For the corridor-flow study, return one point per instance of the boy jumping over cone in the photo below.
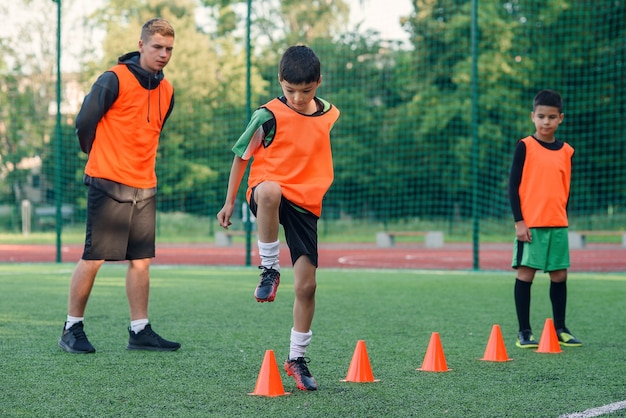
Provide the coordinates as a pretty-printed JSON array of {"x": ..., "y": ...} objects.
[{"x": 289, "y": 138}]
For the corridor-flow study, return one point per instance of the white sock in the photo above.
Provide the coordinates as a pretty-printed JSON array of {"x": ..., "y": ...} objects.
[
  {"x": 269, "y": 251},
  {"x": 298, "y": 343},
  {"x": 71, "y": 320},
  {"x": 138, "y": 325}
]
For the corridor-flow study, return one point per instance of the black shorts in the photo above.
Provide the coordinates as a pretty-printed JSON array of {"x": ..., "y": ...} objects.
[
  {"x": 119, "y": 230},
  {"x": 300, "y": 228}
]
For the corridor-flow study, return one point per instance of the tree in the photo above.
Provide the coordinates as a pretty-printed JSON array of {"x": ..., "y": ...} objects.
[{"x": 26, "y": 90}]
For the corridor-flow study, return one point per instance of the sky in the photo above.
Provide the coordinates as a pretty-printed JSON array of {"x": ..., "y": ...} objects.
[{"x": 381, "y": 15}]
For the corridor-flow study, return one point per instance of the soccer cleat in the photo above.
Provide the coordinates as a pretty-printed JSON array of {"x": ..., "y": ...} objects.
[
  {"x": 301, "y": 374},
  {"x": 566, "y": 338},
  {"x": 526, "y": 339},
  {"x": 146, "y": 339},
  {"x": 75, "y": 341},
  {"x": 266, "y": 290}
]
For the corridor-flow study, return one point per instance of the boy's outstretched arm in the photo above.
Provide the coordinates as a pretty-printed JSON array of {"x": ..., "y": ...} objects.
[{"x": 237, "y": 171}]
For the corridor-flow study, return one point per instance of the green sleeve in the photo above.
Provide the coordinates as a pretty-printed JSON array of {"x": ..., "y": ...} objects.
[
  {"x": 254, "y": 134},
  {"x": 325, "y": 103}
]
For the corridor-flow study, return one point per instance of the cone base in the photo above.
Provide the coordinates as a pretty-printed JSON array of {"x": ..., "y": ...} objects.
[
  {"x": 549, "y": 352},
  {"x": 496, "y": 361},
  {"x": 269, "y": 396},
  {"x": 434, "y": 371},
  {"x": 360, "y": 381}
]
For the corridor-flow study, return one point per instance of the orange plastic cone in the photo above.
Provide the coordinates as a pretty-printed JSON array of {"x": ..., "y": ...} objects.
[
  {"x": 496, "y": 350},
  {"x": 549, "y": 342},
  {"x": 434, "y": 360},
  {"x": 360, "y": 369},
  {"x": 269, "y": 382}
]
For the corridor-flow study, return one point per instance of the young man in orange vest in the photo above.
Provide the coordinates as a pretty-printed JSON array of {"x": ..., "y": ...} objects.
[
  {"x": 118, "y": 126},
  {"x": 539, "y": 187},
  {"x": 289, "y": 138}
]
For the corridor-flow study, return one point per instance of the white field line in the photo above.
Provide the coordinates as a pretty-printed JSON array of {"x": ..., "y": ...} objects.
[{"x": 595, "y": 412}]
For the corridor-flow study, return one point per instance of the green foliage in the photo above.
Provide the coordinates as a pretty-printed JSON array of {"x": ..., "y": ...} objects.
[
  {"x": 20, "y": 138},
  {"x": 224, "y": 337},
  {"x": 72, "y": 189}
]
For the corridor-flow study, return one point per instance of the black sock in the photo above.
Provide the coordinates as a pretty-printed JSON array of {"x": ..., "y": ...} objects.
[
  {"x": 522, "y": 303},
  {"x": 558, "y": 296}
]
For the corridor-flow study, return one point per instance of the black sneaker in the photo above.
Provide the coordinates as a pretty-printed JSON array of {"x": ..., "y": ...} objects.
[
  {"x": 526, "y": 339},
  {"x": 75, "y": 341},
  {"x": 146, "y": 339},
  {"x": 266, "y": 290},
  {"x": 567, "y": 339},
  {"x": 301, "y": 374}
]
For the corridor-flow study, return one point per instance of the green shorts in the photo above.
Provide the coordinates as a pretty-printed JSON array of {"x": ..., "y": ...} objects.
[{"x": 548, "y": 251}]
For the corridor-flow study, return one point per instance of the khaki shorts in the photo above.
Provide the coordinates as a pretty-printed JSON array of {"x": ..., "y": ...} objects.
[
  {"x": 548, "y": 251},
  {"x": 117, "y": 230}
]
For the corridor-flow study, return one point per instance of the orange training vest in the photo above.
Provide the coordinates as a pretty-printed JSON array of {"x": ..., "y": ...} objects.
[
  {"x": 124, "y": 149},
  {"x": 299, "y": 158},
  {"x": 545, "y": 185}
]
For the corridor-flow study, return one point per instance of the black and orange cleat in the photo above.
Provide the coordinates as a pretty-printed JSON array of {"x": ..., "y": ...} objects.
[
  {"x": 298, "y": 369},
  {"x": 266, "y": 290}
]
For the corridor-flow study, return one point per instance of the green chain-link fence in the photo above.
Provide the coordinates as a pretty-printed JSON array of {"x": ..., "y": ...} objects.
[{"x": 427, "y": 131}]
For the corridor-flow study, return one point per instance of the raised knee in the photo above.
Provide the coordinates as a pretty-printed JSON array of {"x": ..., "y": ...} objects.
[{"x": 268, "y": 193}]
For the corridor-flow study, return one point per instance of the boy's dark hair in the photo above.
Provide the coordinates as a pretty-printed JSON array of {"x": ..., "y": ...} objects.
[
  {"x": 299, "y": 65},
  {"x": 548, "y": 98}
]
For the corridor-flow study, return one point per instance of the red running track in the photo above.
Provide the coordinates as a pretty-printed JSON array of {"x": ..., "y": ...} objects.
[{"x": 593, "y": 258}]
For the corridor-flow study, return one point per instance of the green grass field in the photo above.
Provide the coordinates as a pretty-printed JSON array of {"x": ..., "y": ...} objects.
[{"x": 225, "y": 334}]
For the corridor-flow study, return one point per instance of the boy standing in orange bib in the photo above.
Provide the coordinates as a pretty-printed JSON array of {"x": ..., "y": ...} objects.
[{"x": 539, "y": 187}]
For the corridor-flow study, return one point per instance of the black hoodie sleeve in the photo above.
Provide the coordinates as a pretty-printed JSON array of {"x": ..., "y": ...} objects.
[
  {"x": 515, "y": 178},
  {"x": 101, "y": 97},
  {"x": 169, "y": 111}
]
